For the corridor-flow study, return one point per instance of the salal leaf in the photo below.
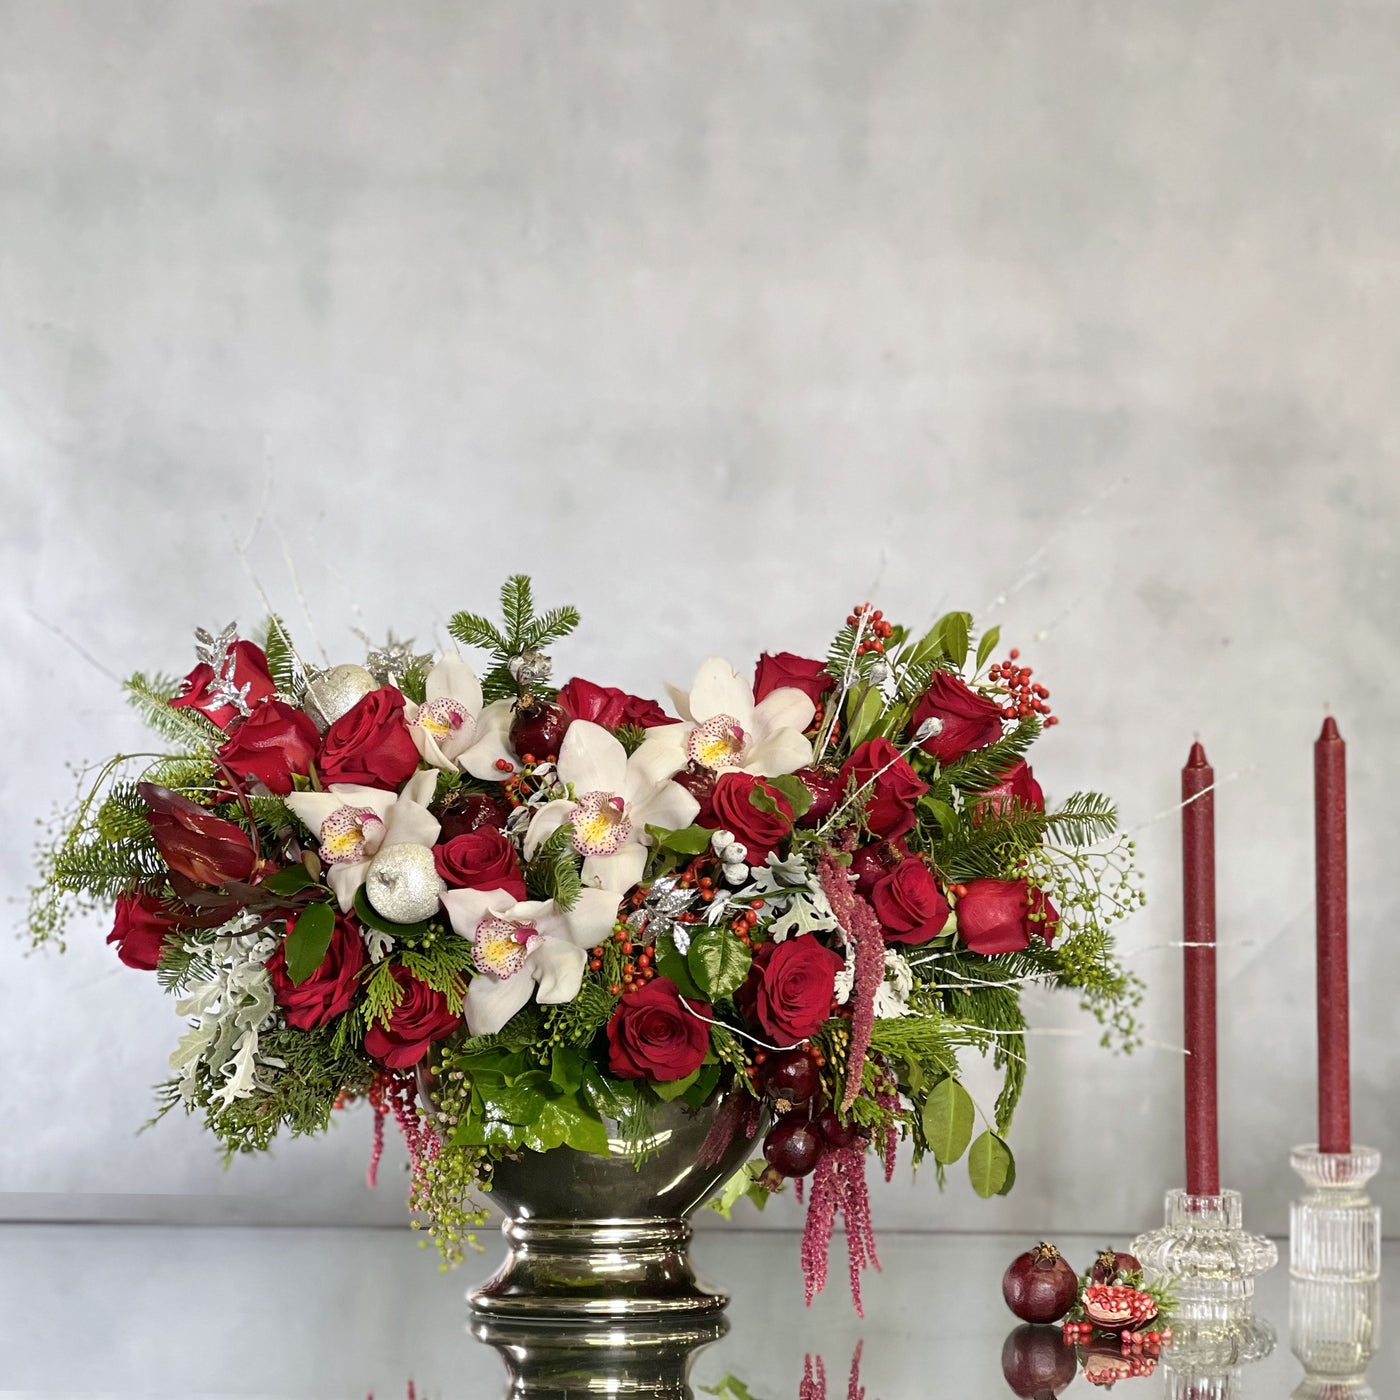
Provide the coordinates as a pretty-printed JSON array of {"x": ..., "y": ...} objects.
[
  {"x": 674, "y": 1088},
  {"x": 990, "y": 1165},
  {"x": 308, "y": 941},
  {"x": 718, "y": 962},
  {"x": 949, "y": 1116},
  {"x": 955, "y": 629}
]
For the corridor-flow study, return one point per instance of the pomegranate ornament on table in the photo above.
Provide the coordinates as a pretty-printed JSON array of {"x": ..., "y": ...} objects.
[
  {"x": 544, "y": 929},
  {"x": 1039, "y": 1286}
]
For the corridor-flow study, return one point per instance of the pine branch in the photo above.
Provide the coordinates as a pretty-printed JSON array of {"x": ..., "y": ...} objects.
[
  {"x": 556, "y": 623},
  {"x": 473, "y": 630},
  {"x": 982, "y": 768},
  {"x": 553, "y": 871},
  {"x": 1083, "y": 819},
  {"x": 150, "y": 697},
  {"x": 518, "y": 610}
]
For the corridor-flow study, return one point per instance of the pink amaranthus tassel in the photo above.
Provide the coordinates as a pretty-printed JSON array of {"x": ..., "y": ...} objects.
[
  {"x": 381, "y": 1112},
  {"x": 838, "y": 1184},
  {"x": 862, "y": 928},
  {"x": 854, "y": 1389},
  {"x": 813, "y": 1385}
]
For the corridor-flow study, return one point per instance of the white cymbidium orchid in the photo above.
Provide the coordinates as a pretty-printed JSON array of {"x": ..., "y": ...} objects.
[
  {"x": 615, "y": 799},
  {"x": 354, "y": 823},
  {"x": 723, "y": 730},
  {"x": 452, "y": 728},
  {"x": 522, "y": 947}
]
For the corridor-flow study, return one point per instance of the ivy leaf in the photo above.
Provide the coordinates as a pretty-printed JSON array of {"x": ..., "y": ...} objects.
[
  {"x": 988, "y": 643},
  {"x": 673, "y": 1088},
  {"x": 949, "y": 1116},
  {"x": 718, "y": 962},
  {"x": 612, "y": 1098},
  {"x": 798, "y": 794},
  {"x": 989, "y": 1164},
  {"x": 566, "y": 1069},
  {"x": 308, "y": 941},
  {"x": 565, "y": 1121},
  {"x": 288, "y": 881}
]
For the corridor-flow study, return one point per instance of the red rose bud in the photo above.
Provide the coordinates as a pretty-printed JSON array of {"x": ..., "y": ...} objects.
[
  {"x": 653, "y": 1036},
  {"x": 909, "y": 904},
  {"x": 480, "y": 860},
  {"x": 330, "y": 990},
  {"x": 141, "y": 926},
  {"x": 609, "y": 706},
  {"x": 274, "y": 742},
  {"x": 369, "y": 744},
  {"x": 734, "y": 811},
  {"x": 469, "y": 811},
  {"x": 194, "y": 842},
  {"x": 889, "y": 787},
  {"x": 825, "y": 786},
  {"x": 1002, "y": 916},
  {"x": 787, "y": 670},
  {"x": 1017, "y": 785},
  {"x": 789, "y": 988},
  {"x": 249, "y": 668},
  {"x": 422, "y": 1017},
  {"x": 969, "y": 720}
]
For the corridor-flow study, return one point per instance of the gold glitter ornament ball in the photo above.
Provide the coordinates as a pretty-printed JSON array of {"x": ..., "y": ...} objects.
[
  {"x": 336, "y": 694},
  {"x": 403, "y": 884}
]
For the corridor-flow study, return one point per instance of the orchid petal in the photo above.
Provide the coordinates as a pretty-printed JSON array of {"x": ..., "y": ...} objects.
[
  {"x": 618, "y": 872},
  {"x": 492, "y": 1001},
  {"x": 720, "y": 690},
  {"x": 491, "y": 744},
  {"x": 467, "y": 908},
  {"x": 652, "y": 764},
  {"x": 667, "y": 805},
  {"x": 453, "y": 679},
  {"x": 378, "y": 800},
  {"x": 545, "y": 823},
  {"x": 411, "y": 824},
  {"x": 558, "y": 966},
  {"x": 783, "y": 751},
  {"x": 784, "y": 708},
  {"x": 344, "y": 880},
  {"x": 663, "y": 748},
  {"x": 429, "y": 750},
  {"x": 681, "y": 700},
  {"x": 591, "y": 759},
  {"x": 420, "y": 788},
  {"x": 312, "y": 808},
  {"x": 591, "y": 919}
]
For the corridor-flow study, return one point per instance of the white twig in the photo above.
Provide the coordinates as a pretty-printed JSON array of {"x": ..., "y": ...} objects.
[
  {"x": 301, "y": 596},
  {"x": 76, "y": 645},
  {"x": 1195, "y": 796},
  {"x": 734, "y": 1031}
]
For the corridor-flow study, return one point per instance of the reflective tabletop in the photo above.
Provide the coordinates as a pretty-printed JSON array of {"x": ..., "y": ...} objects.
[{"x": 127, "y": 1310}]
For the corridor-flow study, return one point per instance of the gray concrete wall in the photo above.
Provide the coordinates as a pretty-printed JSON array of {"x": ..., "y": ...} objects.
[{"x": 715, "y": 317}]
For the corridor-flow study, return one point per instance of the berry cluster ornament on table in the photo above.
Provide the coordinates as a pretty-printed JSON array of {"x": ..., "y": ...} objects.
[{"x": 801, "y": 897}]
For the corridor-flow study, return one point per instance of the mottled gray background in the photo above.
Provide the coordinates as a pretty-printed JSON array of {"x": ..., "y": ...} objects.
[{"x": 718, "y": 318}]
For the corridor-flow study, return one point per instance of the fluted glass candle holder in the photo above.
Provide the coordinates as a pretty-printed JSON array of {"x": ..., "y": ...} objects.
[
  {"x": 1334, "y": 1330},
  {"x": 1204, "y": 1250},
  {"x": 1334, "y": 1230},
  {"x": 1206, "y": 1357}
]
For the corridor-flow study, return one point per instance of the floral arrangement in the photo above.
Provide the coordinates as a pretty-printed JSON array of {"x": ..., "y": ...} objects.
[{"x": 808, "y": 893}]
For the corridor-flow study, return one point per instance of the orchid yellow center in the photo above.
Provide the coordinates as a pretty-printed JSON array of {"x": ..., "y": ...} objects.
[
  {"x": 601, "y": 824},
  {"x": 350, "y": 834},
  {"x": 500, "y": 947},
  {"x": 718, "y": 743}
]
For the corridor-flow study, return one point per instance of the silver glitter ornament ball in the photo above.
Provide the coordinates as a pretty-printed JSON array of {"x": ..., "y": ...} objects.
[
  {"x": 337, "y": 693},
  {"x": 403, "y": 884}
]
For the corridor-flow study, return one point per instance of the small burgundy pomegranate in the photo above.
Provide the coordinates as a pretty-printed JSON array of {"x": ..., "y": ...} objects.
[
  {"x": 1113, "y": 1265},
  {"x": 1039, "y": 1286},
  {"x": 793, "y": 1147},
  {"x": 790, "y": 1079},
  {"x": 538, "y": 728},
  {"x": 1036, "y": 1362}
]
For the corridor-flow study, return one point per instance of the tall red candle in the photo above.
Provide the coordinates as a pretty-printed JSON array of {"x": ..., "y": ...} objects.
[
  {"x": 1333, "y": 1035},
  {"x": 1198, "y": 918}
]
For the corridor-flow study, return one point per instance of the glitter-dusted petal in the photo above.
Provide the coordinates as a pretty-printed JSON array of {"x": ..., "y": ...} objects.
[
  {"x": 591, "y": 760},
  {"x": 559, "y": 967},
  {"x": 491, "y": 1001},
  {"x": 618, "y": 872},
  {"x": 784, "y": 708},
  {"x": 545, "y": 823},
  {"x": 720, "y": 690}
]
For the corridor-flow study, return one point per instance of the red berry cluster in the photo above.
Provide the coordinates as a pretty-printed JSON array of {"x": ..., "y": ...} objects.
[
  {"x": 1022, "y": 698},
  {"x": 518, "y": 786},
  {"x": 637, "y": 959},
  {"x": 880, "y": 630}
]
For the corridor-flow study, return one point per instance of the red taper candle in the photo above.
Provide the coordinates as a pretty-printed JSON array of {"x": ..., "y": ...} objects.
[
  {"x": 1333, "y": 1032},
  {"x": 1198, "y": 920}
]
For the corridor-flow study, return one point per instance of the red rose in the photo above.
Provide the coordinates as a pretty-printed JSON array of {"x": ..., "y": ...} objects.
[
  {"x": 422, "y": 1017},
  {"x": 970, "y": 720},
  {"x": 652, "y": 1035},
  {"x": 789, "y": 988},
  {"x": 909, "y": 904},
  {"x": 787, "y": 669},
  {"x": 249, "y": 668},
  {"x": 734, "y": 811},
  {"x": 274, "y": 742},
  {"x": 370, "y": 743},
  {"x": 888, "y": 785},
  {"x": 194, "y": 842},
  {"x": 330, "y": 990},
  {"x": 609, "y": 706},
  {"x": 1000, "y": 916},
  {"x": 1017, "y": 785},
  {"x": 480, "y": 860},
  {"x": 141, "y": 926}
]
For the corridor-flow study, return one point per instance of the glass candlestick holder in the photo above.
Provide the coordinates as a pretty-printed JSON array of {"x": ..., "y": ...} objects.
[
  {"x": 1334, "y": 1230},
  {"x": 1334, "y": 1330},
  {"x": 1205, "y": 1251}
]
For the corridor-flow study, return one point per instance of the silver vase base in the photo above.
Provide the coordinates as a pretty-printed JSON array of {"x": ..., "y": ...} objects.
[{"x": 585, "y": 1270}]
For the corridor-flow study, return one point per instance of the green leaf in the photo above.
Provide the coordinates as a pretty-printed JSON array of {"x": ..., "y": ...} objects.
[
  {"x": 669, "y": 1089},
  {"x": 955, "y": 628},
  {"x": 989, "y": 1163},
  {"x": 366, "y": 913},
  {"x": 704, "y": 1084},
  {"x": 687, "y": 841},
  {"x": 942, "y": 812},
  {"x": 308, "y": 941},
  {"x": 670, "y": 963},
  {"x": 949, "y": 1116},
  {"x": 1010, "y": 1173},
  {"x": 522, "y": 1104},
  {"x": 762, "y": 799},
  {"x": 718, "y": 962},
  {"x": 988, "y": 643},
  {"x": 798, "y": 794},
  {"x": 864, "y": 719},
  {"x": 930, "y": 645},
  {"x": 565, "y": 1121},
  {"x": 566, "y": 1069},
  {"x": 288, "y": 881},
  {"x": 613, "y": 1098}
]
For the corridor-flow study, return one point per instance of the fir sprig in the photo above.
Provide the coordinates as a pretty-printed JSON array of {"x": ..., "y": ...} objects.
[
  {"x": 522, "y": 632},
  {"x": 553, "y": 871}
]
